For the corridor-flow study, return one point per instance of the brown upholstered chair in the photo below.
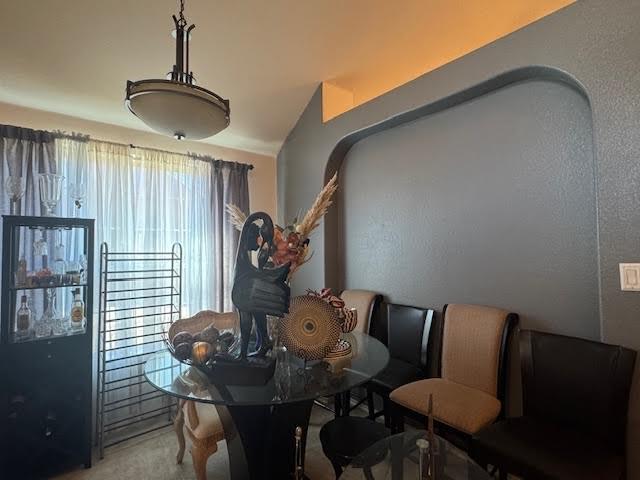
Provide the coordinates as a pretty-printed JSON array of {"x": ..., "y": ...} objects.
[
  {"x": 470, "y": 393},
  {"x": 200, "y": 420},
  {"x": 365, "y": 302},
  {"x": 204, "y": 429},
  {"x": 367, "y": 305}
]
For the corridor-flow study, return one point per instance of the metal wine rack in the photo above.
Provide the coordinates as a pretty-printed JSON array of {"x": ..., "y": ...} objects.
[{"x": 140, "y": 296}]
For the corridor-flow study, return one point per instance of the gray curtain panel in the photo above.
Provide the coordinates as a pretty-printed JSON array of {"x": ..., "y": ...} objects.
[
  {"x": 230, "y": 184},
  {"x": 26, "y": 153}
]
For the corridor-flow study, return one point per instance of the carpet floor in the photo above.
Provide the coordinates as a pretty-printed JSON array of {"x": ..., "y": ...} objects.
[{"x": 154, "y": 457}]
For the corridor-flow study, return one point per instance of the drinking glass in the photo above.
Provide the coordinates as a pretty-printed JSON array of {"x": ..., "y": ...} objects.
[
  {"x": 77, "y": 192},
  {"x": 50, "y": 191},
  {"x": 15, "y": 187}
]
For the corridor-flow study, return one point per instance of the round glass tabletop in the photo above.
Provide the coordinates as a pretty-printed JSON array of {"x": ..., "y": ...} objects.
[
  {"x": 398, "y": 458},
  {"x": 293, "y": 381}
]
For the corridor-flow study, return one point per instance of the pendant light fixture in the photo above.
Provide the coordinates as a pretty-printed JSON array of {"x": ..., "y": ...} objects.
[{"x": 176, "y": 106}]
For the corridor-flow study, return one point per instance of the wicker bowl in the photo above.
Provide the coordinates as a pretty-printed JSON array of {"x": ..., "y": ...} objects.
[
  {"x": 222, "y": 371},
  {"x": 195, "y": 324}
]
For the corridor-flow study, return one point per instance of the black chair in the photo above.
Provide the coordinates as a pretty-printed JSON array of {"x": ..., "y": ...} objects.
[
  {"x": 343, "y": 439},
  {"x": 575, "y": 396},
  {"x": 408, "y": 336}
]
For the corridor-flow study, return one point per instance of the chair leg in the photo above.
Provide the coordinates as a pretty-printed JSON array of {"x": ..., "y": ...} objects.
[
  {"x": 199, "y": 455},
  {"x": 178, "y": 426},
  {"x": 386, "y": 410},
  {"x": 346, "y": 403},
  {"x": 503, "y": 474},
  {"x": 337, "y": 468},
  {"x": 370, "y": 405},
  {"x": 337, "y": 407},
  {"x": 397, "y": 418}
]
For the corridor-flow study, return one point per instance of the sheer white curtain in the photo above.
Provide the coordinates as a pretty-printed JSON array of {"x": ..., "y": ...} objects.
[{"x": 144, "y": 201}]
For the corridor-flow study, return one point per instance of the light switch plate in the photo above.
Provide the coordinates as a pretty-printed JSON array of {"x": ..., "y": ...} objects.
[{"x": 630, "y": 277}]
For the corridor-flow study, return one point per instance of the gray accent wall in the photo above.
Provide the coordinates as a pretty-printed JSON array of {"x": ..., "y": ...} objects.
[
  {"x": 489, "y": 202},
  {"x": 596, "y": 43}
]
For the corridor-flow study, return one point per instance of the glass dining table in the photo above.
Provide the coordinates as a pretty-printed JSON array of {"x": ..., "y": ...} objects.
[
  {"x": 398, "y": 458},
  {"x": 260, "y": 420}
]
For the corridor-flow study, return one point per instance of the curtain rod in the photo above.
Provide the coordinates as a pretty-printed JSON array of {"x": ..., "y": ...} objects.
[{"x": 195, "y": 156}]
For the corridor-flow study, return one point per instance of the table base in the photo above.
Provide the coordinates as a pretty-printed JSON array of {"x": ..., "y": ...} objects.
[{"x": 261, "y": 439}]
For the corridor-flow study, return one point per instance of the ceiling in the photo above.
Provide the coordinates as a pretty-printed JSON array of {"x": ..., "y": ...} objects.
[{"x": 74, "y": 57}]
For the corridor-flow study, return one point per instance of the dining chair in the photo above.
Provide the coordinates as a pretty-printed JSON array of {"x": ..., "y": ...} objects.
[
  {"x": 471, "y": 389},
  {"x": 575, "y": 402},
  {"x": 367, "y": 304},
  {"x": 204, "y": 429},
  {"x": 408, "y": 337}
]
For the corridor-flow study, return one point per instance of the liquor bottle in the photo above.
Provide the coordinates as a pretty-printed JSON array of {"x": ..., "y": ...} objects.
[
  {"x": 23, "y": 320},
  {"x": 77, "y": 311}
]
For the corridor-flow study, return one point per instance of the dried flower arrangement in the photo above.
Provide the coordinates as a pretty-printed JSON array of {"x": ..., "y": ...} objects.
[{"x": 291, "y": 243}]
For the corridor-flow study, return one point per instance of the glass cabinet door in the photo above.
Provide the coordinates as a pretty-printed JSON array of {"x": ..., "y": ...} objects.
[{"x": 48, "y": 269}]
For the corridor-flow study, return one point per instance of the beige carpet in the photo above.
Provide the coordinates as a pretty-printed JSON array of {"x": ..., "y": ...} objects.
[{"x": 154, "y": 458}]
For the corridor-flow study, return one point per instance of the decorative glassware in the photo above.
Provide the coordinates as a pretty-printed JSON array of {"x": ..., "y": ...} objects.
[
  {"x": 74, "y": 272},
  {"x": 21, "y": 272},
  {"x": 83, "y": 268},
  {"x": 50, "y": 191},
  {"x": 59, "y": 265},
  {"x": 40, "y": 252},
  {"x": 77, "y": 192},
  {"x": 44, "y": 326},
  {"x": 23, "y": 320},
  {"x": 15, "y": 187}
]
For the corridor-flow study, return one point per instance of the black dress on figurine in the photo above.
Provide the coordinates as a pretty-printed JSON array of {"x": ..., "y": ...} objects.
[{"x": 258, "y": 291}]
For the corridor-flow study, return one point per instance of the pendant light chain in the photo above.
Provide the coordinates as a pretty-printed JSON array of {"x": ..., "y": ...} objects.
[{"x": 183, "y": 21}]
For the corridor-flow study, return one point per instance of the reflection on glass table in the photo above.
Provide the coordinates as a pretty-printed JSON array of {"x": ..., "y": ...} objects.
[
  {"x": 261, "y": 422},
  {"x": 292, "y": 382},
  {"x": 398, "y": 458}
]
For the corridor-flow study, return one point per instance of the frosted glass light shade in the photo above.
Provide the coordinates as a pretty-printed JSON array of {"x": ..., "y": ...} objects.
[{"x": 178, "y": 109}]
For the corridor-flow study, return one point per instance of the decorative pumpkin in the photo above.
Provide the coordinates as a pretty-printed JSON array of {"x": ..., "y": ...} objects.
[
  {"x": 209, "y": 335},
  {"x": 182, "y": 337},
  {"x": 201, "y": 352},
  {"x": 183, "y": 351}
]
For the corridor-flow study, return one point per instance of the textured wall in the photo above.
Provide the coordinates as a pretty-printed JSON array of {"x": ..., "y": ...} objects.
[
  {"x": 595, "y": 41},
  {"x": 489, "y": 202}
]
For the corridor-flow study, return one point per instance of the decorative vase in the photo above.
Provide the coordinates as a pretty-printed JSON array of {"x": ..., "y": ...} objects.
[{"x": 50, "y": 190}]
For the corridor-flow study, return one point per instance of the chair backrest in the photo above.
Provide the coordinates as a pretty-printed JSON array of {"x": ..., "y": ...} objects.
[
  {"x": 365, "y": 302},
  {"x": 581, "y": 384},
  {"x": 475, "y": 346},
  {"x": 408, "y": 333}
]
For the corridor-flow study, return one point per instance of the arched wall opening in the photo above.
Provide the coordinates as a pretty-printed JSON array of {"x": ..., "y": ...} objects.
[{"x": 485, "y": 197}]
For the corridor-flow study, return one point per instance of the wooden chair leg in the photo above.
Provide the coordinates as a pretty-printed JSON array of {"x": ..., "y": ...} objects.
[
  {"x": 199, "y": 455},
  {"x": 178, "y": 426}
]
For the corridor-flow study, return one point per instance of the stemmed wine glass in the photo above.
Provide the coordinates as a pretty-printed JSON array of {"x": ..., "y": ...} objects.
[
  {"x": 15, "y": 189},
  {"x": 78, "y": 192},
  {"x": 50, "y": 191}
]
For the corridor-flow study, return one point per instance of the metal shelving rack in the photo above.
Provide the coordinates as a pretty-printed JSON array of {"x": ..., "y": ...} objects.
[{"x": 140, "y": 296}]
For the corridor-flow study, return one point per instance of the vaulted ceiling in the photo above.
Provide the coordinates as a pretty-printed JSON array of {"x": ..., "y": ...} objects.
[{"x": 75, "y": 56}]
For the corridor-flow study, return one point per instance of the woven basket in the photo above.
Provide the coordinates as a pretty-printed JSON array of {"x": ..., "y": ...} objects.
[
  {"x": 201, "y": 320},
  {"x": 197, "y": 323}
]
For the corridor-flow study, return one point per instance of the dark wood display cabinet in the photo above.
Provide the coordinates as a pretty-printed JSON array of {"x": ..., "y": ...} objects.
[{"x": 46, "y": 345}]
